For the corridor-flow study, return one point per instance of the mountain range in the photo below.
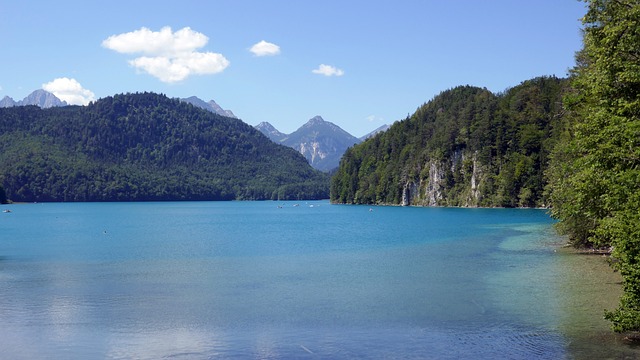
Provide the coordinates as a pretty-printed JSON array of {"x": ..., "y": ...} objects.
[
  {"x": 45, "y": 99},
  {"x": 210, "y": 105},
  {"x": 41, "y": 98},
  {"x": 142, "y": 147},
  {"x": 321, "y": 142}
]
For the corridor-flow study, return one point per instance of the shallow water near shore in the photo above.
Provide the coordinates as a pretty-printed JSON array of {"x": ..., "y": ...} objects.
[
  {"x": 296, "y": 280},
  {"x": 589, "y": 286}
]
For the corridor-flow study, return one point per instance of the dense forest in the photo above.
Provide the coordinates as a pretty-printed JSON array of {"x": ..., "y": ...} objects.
[
  {"x": 465, "y": 147},
  {"x": 143, "y": 147}
]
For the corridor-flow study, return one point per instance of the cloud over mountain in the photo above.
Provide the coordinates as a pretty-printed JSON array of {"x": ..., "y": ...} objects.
[
  {"x": 167, "y": 55},
  {"x": 69, "y": 90}
]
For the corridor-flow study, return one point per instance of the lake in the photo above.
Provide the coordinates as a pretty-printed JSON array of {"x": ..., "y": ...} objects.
[{"x": 273, "y": 280}]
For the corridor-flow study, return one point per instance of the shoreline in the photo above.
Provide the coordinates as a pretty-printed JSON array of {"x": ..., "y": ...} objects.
[{"x": 588, "y": 287}]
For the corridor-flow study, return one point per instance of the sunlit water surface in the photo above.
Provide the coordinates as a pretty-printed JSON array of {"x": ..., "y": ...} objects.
[{"x": 293, "y": 280}]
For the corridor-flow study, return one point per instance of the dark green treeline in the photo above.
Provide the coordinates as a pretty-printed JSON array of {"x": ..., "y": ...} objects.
[
  {"x": 465, "y": 147},
  {"x": 145, "y": 146}
]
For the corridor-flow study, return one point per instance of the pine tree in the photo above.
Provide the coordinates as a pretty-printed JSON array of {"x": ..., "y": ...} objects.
[{"x": 3, "y": 196}]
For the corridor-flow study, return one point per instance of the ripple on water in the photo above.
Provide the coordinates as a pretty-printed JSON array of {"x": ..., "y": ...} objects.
[{"x": 508, "y": 342}]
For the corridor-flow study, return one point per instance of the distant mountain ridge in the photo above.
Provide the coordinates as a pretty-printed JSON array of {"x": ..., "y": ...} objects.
[
  {"x": 211, "y": 105},
  {"x": 41, "y": 98},
  {"x": 270, "y": 131},
  {"x": 45, "y": 99},
  {"x": 321, "y": 142},
  {"x": 375, "y": 132}
]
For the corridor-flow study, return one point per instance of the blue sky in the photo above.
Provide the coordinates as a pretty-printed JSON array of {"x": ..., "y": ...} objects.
[{"x": 359, "y": 64}]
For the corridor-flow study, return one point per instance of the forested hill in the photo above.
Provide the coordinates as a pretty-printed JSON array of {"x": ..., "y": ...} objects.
[
  {"x": 466, "y": 147},
  {"x": 145, "y": 146}
]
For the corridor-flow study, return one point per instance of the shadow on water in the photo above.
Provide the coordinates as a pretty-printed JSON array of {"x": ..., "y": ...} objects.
[{"x": 589, "y": 287}]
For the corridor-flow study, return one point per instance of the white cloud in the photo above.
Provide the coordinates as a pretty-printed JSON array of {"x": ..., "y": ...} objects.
[
  {"x": 163, "y": 42},
  {"x": 69, "y": 90},
  {"x": 372, "y": 118},
  {"x": 169, "y": 56},
  {"x": 171, "y": 70},
  {"x": 328, "y": 70},
  {"x": 264, "y": 48}
]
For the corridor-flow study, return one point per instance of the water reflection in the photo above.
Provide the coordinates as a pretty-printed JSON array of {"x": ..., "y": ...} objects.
[
  {"x": 179, "y": 343},
  {"x": 205, "y": 280}
]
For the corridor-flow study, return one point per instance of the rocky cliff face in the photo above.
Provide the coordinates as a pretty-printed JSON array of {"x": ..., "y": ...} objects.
[
  {"x": 432, "y": 190},
  {"x": 313, "y": 151}
]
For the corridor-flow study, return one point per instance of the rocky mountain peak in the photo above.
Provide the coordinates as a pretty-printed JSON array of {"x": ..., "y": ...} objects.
[
  {"x": 211, "y": 105},
  {"x": 41, "y": 98},
  {"x": 7, "y": 102},
  {"x": 316, "y": 120},
  {"x": 322, "y": 142},
  {"x": 270, "y": 131},
  {"x": 265, "y": 126}
]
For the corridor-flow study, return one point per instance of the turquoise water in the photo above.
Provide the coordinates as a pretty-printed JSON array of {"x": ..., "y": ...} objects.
[{"x": 277, "y": 280}]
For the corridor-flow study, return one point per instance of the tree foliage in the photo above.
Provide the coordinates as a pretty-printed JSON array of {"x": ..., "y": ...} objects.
[
  {"x": 595, "y": 174},
  {"x": 464, "y": 137},
  {"x": 3, "y": 196},
  {"x": 145, "y": 146}
]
